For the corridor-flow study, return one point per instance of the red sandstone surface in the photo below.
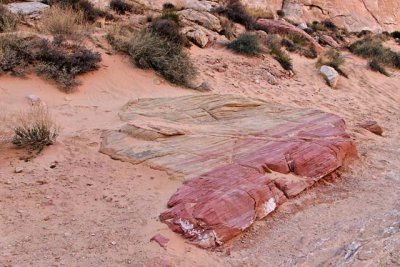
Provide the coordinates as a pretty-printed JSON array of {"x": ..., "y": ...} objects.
[{"x": 249, "y": 156}]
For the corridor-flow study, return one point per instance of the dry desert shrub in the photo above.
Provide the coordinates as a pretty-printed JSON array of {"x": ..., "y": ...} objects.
[
  {"x": 62, "y": 20},
  {"x": 151, "y": 51},
  {"x": 58, "y": 60},
  {"x": 121, "y": 6},
  {"x": 247, "y": 44},
  {"x": 273, "y": 42},
  {"x": 34, "y": 129},
  {"x": 334, "y": 59},
  {"x": 8, "y": 21},
  {"x": 378, "y": 55},
  {"x": 237, "y": 12}
]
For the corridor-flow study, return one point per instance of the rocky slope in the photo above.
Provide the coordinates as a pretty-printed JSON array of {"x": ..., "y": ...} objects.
[{"x": 355, "y": 15}]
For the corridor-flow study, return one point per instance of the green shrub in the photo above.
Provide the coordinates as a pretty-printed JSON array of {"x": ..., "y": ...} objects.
[
  {"x": 34, "y": 129},
  {"x": 246, "y": 44},
  {"x": 373, "y": 49},
  {"x": 8, "y": 21},
  {"x": 375, "y": 65},
  {"x": 150, "y": 51},
  {"x": 334, "y": 59}
]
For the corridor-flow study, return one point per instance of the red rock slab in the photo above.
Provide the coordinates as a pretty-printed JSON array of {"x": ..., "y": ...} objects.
[
  {"x": 372, "y": 126},
  {"x": 160, "y": 239},
  {"x": 240, "y": 158}
]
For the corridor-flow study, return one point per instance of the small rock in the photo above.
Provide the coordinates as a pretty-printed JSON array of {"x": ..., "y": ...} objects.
[
  {"x": 53, "y": 165},
  {"x": 302, "y": 26},
  {"x": 330, "y": 75},
  {"x": 198, "y": 37},
  {"x": 204, "y": 87},
  {"x": 373, "y": 127},
  {"x": 33, "y": 99},
  {"x": 160, "y": 239},
  {"x": 19, "y": 169},
  {"x": 113, "y": 243}
]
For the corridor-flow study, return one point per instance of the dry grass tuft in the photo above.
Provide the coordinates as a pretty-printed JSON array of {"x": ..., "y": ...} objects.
[
  {"x": 8, "y": 21},
  {"x": 62, "y": 20},
  {"x": 34, "y": 129}
]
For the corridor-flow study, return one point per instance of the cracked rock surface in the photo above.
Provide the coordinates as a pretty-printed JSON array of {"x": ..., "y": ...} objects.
[{"x": 240, "y": 157}]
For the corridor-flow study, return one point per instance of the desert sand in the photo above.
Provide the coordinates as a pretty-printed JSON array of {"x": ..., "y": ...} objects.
[{"x": 90, "y": 210}]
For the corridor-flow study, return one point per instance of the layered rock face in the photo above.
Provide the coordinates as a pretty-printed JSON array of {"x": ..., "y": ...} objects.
[
  {"x": 355, "y": 15},
  {"x": 240, "y": 157}
]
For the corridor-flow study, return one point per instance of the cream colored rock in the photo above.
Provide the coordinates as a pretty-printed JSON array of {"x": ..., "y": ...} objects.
[
  {"x": 204, "y": 19},
  {"x": 330, "y": 75},
  {"x": 198, "y": 37}
]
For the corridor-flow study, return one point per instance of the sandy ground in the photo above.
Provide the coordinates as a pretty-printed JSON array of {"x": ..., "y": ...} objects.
[{"x": 93, "y": 211}]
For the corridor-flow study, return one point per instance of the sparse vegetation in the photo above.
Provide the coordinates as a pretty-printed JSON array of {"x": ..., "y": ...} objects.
[
  {"x": 169, "y": 13},
  {"x": 334, "y": 59},
  {"x": 274, "y": 44},
  {"x": 170, "y": 30},
  {"x": 246, "y": 44},
  {"x": 236, "y": 12},
  {"x": 15, "y": 55},
  {"x": 89, "y": 12},
  {"x": 57, "y": 60},
  {"x": 150, "y": 51},
  {"x": 121, "y": 6},
  {"x": 259, "y": 13},
  {"x": 373, "y": 49},
  {"x": 375, "y": 65},
  {"x": 62, "y": 62},
  {"x": 34, "y": 129},
  {"x": 61, "y": 20},
  {"x": 298, "y": 44},
  {"x": 8, "y": 21}
]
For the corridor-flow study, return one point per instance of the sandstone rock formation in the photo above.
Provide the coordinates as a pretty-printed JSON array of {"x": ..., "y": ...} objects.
[
  {"x": 29, "y": 9},
  {"x": 240, "y": 157},
  {"x": 355, "y": 15}
]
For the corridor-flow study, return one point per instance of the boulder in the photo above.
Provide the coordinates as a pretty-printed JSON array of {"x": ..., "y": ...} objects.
[
  {"x": 240, "y": 158},
  {"x": 204, "y": 19},
  {"x": 283, "y": 27},
  {"x": 372, "y": 126},
  {"x": 198, "y": 37},
  {"x": 28, "y": 9},
  {"x": 330, "y": 75}
]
